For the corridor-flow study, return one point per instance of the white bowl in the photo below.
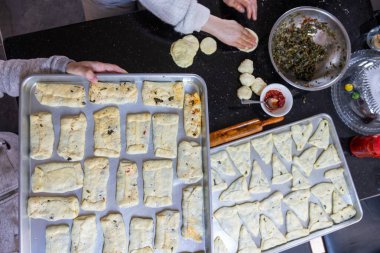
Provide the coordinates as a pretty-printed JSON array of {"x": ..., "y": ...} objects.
[{"x": 288, "y": 100}]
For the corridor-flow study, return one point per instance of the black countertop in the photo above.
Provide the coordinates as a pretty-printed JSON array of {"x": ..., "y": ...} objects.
[{"x": 139, "y": 42}]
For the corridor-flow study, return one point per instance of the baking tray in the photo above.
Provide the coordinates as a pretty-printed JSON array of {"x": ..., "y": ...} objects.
[
  {"x": 318, "y": 176},
  {"x": 32, "y": 231}
]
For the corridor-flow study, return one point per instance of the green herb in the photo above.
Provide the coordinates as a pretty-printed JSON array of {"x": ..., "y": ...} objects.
[{"x": 295, "y": 51}]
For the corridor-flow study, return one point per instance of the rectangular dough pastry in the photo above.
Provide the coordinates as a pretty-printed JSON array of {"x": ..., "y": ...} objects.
[
  {"x": 192, "y": 212},
  {"x": 138, "y": 132},
  {"x": 127, "y": 194},
  {"x": 115, "y": 238},
  {"x": 158, "y": 183},
  {"x": 96, "y": 174},
  {"x": 169, "y": 94},
  {"x": 57, "y": 239},
  {"x": 167, "y": 231},
  {"x": 141, "y": 235},
  {"x": 189, "y": 164},
  {"x": 57, "y": 177},
  {"x": 84, "y": 234},
  {"x": 143, "y": 250},
  {"x": 113, "y": 93},
  {"x": 107, "y": 132},
  {"x": 60, "y": 94},
  {"x": 165, "y": 130},
  {"x": 192, "y": 115},
  {"x": 41, "y": 135},
  {"x": 53, "y": 208},
  {"x": 72, "y": 137}
]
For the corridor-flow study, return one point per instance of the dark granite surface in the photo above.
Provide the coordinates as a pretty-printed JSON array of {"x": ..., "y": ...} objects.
[
  {"x": 8, "y": 114},
  {"x": 140, "y": 43}
]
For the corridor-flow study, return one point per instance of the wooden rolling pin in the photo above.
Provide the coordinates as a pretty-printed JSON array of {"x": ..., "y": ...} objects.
[{"x": 240, "y": 130}]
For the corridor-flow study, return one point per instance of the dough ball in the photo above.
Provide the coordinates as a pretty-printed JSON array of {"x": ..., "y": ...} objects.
[
  {"x": 208, "y": 45},
  {"x": 244, "y": 92},
  {"x": 258, "y": 86},
  {"x": 255, "y": 46},
  {"x": 183, "y": 53},
  {"x": 193, "y": 40},
  {"x": 247, "y": 79},
  {"x": 246, "y": 66}
]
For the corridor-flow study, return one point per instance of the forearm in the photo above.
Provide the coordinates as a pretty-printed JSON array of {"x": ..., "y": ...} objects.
[
  {"x": 12, "y": 72},
  {"x": 211, "y": 26}
]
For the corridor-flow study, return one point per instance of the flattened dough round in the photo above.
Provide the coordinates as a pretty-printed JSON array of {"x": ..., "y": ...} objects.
[
  {"x": 208, "y": 45},
  {"x": 193, "y": 40},
  {"x": 257, "y": 42},
  {"x": 182, "y": 52},
  {"x": 244, "y": 92}
]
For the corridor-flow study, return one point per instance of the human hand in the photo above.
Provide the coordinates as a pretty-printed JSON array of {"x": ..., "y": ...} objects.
[
  {"x": 248, "y": 6},
  {"x": 230, "y": 32},
  {"x": 88, "y": 69}
]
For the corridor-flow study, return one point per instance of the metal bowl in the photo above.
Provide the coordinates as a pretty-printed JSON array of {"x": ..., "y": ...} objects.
[{"x": 329, "y": 71}]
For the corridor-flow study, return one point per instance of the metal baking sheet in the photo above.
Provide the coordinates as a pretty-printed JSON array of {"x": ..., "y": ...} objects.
[
  {"x": 32, "y": 231},
  {"x": 317, "y": 176}
]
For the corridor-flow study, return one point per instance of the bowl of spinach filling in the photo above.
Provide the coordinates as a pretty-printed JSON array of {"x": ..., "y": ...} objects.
[{"x": 309, "y": 48}]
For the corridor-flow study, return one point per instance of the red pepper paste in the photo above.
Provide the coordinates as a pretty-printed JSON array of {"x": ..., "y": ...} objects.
[{"x": 274, "y": 99}]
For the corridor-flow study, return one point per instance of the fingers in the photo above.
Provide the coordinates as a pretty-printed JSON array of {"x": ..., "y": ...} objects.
[
  {"x": 103, "y": 67},
  {"x": 248, "y": 36},
  {"x": 81, "y": 70},
  {"x": 248, "y": 6},
  {"x": 243, "y": 44},
  {"x": 88, "y": 69},
  {"x": 240, "y": 44},
  {"x": 89, "y": 75},
  {"x": 112, "y": 68},
  {"x": 238, "y": 7},
  {"x": 246, "y": 40},
  {"x": 117, "y": 69},
  {"x": 251, "y": 7},
  {"x": 245, "y": 5},
  {"x": 249, "y": 11},
  {"x": 254, "y": 9}
]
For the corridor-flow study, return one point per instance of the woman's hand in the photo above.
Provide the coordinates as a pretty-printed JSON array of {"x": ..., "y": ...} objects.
[
  {"x": 248, "y": 6},
  {"x": 88, "y": 69},
  {"x": 229, "y": 32}
]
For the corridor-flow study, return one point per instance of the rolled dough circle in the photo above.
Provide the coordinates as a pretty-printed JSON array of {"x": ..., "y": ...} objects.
[
  {"x": 257, "y": 42},
  {"x": 208, "y": 45},
  {"x": 193, "y": 40},
  {"x": 182, "y": 52}
]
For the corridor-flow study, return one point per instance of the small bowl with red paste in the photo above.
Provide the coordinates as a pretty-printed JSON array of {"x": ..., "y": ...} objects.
[{"x": 277, "y": 100}]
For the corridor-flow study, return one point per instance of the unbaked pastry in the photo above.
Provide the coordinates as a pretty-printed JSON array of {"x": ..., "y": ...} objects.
[
  {"x": 208, "y": 46},
  {"x": 244, "y": 92}
]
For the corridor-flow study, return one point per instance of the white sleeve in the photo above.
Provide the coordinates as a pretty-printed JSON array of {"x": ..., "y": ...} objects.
[{"x": 186, "y": 16}]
